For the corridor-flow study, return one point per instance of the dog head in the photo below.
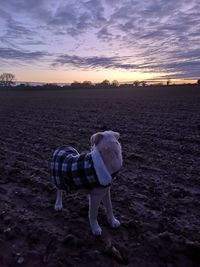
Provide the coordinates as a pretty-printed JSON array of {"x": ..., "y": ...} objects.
[{"x": 109, "y": 147}]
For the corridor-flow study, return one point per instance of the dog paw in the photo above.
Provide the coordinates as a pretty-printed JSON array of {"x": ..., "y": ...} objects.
[
  {"x": 58, "y": 207},
  {"x": 96, "y": 230},
  {"x": 114, "y": 223}
]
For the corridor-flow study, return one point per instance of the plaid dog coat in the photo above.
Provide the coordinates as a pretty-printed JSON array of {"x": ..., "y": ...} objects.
[{"x": 71, "y": 170}]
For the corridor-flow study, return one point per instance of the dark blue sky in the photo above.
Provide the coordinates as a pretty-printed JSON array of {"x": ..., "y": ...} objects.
[{"x": 63, "y": 41}]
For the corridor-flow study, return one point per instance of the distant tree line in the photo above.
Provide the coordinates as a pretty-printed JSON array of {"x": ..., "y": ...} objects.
[{"x": 8, "y": 80}]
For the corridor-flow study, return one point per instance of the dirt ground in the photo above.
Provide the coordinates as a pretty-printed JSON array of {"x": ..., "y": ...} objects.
[{"x": 156, "y": 195}]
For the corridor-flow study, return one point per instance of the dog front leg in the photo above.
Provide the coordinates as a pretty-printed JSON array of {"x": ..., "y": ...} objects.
[
  {"x": 94, "y": 203},
  {"x": 109, "y": 211},
  {"x": 58, "y": 205}
]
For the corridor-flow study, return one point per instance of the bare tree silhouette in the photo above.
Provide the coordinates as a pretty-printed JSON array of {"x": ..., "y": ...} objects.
[
  {"x": 7, "y": 79},
  {"x": 168, "y": 82},
  {"x": 136, "y": 83},
  {"x": 115, "y": 83},
  {"x": 143, "y": 83},
  {"x": 87, "y": 83},
  {"x": 105, "y": 82}
]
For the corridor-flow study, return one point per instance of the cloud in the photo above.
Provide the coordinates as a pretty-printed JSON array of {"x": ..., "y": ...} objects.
[
  {"x": 165, "y": 35},
  {"x": 13, "y": 54},
  {"x": 75, "y": 18},
  {"x": 172, "y": 69},
  {"x": 104, "y": 34},
  {"x": 15, "y": 32},
  {"x": 31, "y": 7},
  {"x": 61, "y": 17},
  {"x": 93, "y": 62}
]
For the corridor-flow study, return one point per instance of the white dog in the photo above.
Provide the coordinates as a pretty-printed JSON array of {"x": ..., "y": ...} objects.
[{"x": 93, "y": 171}]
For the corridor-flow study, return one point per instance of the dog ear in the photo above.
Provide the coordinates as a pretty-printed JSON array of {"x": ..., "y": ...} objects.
[
  {"x": 96, "y": 138},
  {"x": 117, "y": 135}
]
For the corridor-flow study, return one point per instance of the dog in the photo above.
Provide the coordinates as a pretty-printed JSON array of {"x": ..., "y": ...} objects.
[{"x": 92, "y": 171}]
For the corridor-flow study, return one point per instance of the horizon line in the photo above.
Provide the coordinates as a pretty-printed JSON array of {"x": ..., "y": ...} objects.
[{"x": 172, "y": 81}]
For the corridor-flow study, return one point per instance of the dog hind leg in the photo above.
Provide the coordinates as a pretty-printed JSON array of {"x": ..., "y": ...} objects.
[{"x": 58, "y": 205}]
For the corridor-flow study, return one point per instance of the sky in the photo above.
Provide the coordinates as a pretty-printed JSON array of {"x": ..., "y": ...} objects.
[{"x": 62, "y": 41}]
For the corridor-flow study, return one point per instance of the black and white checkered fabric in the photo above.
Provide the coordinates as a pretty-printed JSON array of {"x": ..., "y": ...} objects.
[{"x": 71, "y": 170}]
